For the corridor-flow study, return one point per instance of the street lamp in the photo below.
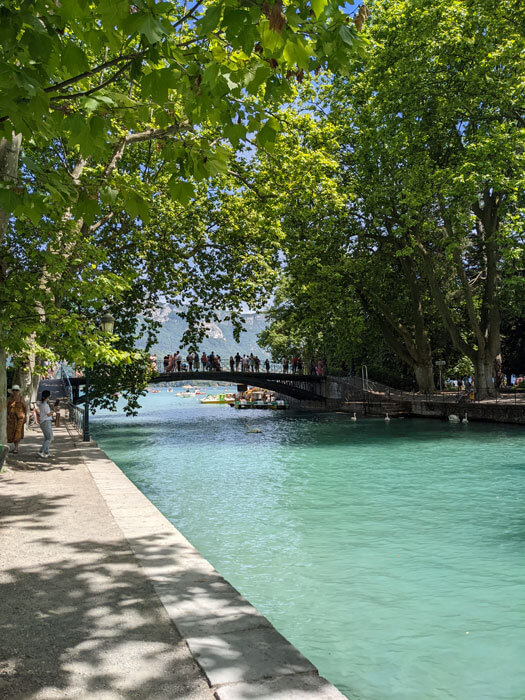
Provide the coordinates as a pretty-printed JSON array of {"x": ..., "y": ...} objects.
[
  {"x": 440, "y": 364},
  {"x": 107, "y": 323}
]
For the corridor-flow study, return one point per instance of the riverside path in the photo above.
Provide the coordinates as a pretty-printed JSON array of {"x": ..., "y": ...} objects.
[{"x": 102, "y": 598}]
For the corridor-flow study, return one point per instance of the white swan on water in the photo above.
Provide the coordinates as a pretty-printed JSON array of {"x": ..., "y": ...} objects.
[
  {"x": 453, "y": 418},
  {"x": 387, "y": 418},
  {"x": 251, "y": 430},
  {"x": 465, "y": 419},
  {"x": 354, "y": 417}
]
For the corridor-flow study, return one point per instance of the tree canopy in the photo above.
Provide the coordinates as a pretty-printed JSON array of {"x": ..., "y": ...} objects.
[
  {"x": 86, "y": 86},
  {"x": 427, "y": 135}
]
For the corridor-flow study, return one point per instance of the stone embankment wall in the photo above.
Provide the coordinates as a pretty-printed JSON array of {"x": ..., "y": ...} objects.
[
  {"x": 492, "y": 412},
  {"x": 345, "y": 394}
]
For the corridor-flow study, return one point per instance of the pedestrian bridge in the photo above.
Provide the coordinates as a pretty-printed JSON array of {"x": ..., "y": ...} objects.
[
  {"x": 299, "y": 386},
  {"x": 305, "y": 387}
]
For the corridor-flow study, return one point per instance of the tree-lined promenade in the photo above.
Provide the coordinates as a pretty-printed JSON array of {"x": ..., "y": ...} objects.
[{"x": 363, "y": 171}]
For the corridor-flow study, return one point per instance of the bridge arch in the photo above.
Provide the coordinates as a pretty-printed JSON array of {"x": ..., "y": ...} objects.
[
  {"x": 304, "y": 387},
  {"x": 298, "y": 386}
]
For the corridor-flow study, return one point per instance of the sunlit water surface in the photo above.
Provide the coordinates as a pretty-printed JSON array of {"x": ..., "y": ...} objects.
[{"x": 391, "y": 555}]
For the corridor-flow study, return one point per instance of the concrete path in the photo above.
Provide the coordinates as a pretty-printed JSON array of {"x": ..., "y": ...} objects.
[{"x": 101, "y": 597}]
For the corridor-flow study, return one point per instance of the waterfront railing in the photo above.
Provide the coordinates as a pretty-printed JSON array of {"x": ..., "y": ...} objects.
[{"x": 77, "y": 416}]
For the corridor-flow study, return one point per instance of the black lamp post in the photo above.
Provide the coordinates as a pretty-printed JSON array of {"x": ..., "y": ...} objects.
[{"x": 107, "y": 323}]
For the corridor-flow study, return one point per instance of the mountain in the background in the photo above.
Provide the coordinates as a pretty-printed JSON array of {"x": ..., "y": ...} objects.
[{"x": 220, "y": 335}]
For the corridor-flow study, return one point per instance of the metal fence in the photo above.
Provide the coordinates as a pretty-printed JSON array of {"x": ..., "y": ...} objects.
[
  {"x": 274, "y": 368},
  {"x": 377, "y": 391},
  {"x": 76, "y": 416}
]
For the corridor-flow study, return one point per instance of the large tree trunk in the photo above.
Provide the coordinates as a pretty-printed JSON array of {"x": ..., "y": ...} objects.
[
  {"x": 28, "y": 380},
  {"x": 3, "y": 397},
  {"x": 425, "y": 377},
  {"x": 484, "y": 378},
  {"x": 9, "y": 152}
]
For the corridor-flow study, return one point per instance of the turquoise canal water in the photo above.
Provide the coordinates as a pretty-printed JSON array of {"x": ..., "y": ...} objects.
[{"x": 391, "y": 555}]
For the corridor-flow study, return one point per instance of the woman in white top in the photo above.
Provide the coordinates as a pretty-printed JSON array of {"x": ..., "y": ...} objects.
[{"x": 46, "y": 425}]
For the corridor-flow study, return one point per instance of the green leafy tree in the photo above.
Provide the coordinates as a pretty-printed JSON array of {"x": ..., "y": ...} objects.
[
  {"x": 438, "y": 112},
  {"x": 344, "y": 257},
  {"x": 82, "y": 84},
  {"x": 426, "y": 145}
]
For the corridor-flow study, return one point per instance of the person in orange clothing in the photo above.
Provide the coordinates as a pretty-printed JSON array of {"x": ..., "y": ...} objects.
[{"x": 16, "y": 417}]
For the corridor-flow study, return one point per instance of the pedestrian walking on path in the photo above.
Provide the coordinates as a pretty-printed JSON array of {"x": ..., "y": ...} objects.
[
  {"x": 16, "y": 417},
  {"x": 45, "y": 419}
]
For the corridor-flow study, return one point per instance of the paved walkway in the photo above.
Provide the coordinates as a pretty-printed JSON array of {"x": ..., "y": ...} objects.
[{"x": 101, "y": 597}]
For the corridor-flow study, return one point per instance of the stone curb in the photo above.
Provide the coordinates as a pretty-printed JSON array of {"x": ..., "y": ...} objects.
[{"x": 239, "y": 651}]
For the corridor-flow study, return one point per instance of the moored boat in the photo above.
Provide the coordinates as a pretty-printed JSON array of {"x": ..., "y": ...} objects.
[
  {"x": 257, "y": 398},
  {"x": 219, "y": 399}
]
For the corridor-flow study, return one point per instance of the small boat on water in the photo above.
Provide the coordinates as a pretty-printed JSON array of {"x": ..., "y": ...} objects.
[
  {"x": 187, "y": 394},
  {"x": 257, "y": 398},
  {"x": 219, "y": 398}
]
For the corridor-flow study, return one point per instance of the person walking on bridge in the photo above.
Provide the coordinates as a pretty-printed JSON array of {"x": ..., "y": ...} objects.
[
  {"x": 237, "y": 361},
  {"x": 232, "y": 363},
  {"x": 267, "y": 365}
]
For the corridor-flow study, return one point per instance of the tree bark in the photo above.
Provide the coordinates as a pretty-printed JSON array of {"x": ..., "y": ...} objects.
[
  {"x": 484, "y": 378},
  {"x": 3, "y": 397},
  {"x": 425, "y": 377},
  {"x": 9, "y": 153}
]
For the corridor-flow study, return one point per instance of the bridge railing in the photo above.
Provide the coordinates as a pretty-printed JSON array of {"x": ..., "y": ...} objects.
[
  {"x": 274, "y": 368},
  {"x": 66, "y": 383}
]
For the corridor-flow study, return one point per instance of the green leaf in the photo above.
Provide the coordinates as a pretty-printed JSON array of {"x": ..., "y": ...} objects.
[
  {"x": 297, "y": 53},
  {"x": 136, "y": 207},
  {"x": 235, "y": 133},
  {"x": 318, "y": 6},
  {"x": 152, "y": 29},
  {"x": 74, "y": 59},
  {"x": 180, "y": 190},
  {"x": 266, "y": 136},
  {"x": 211, "y": 19},
  {"x": 255, "y": 78},
  {"x": 108, "y": 195},
  {"x": 346, "y": 35}
]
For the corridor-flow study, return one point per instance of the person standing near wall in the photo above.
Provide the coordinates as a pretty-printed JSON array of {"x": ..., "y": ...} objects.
[{"x": 16, "y": 417}]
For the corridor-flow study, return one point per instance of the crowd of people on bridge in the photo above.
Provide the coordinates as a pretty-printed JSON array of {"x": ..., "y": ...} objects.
[{"x": 192, "y": 362}]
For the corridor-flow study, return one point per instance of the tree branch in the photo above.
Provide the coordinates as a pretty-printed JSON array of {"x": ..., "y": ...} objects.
[
  {"x": 251, "y": 186},
  {"x": 101, "y": 222},
  {"x": 442, "y": 304},
  {"x": 93, "y": 71},
  {"x": 187, "y": 15},
  {"x": 86, "y": 93}
]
